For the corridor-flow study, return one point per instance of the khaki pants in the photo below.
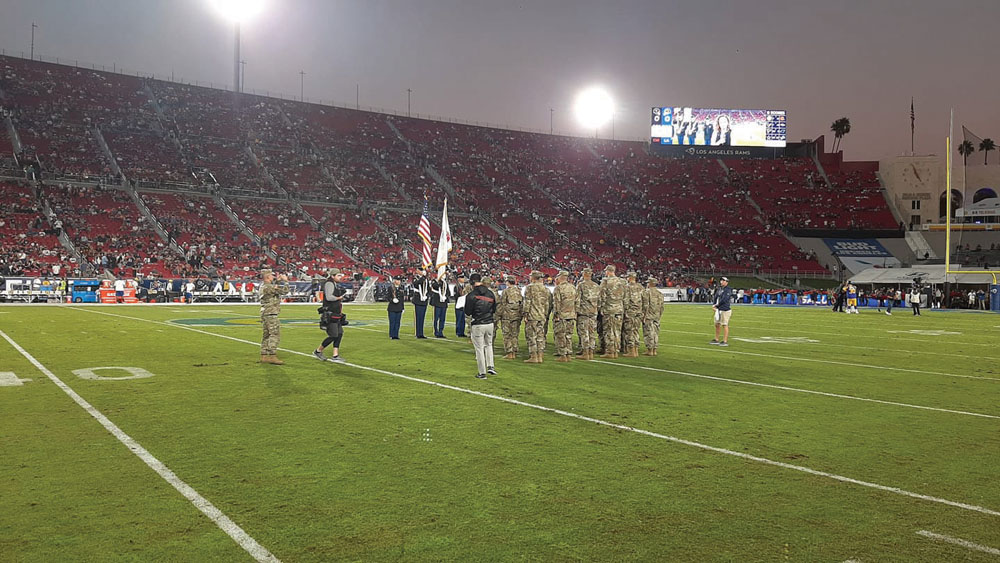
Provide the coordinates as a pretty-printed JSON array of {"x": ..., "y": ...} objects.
[{"x": 482, "y": 342}]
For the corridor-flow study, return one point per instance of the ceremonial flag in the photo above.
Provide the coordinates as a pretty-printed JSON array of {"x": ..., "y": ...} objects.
[
  {"x": 424, "y": 232},
  {"x": 444, "y": 245}
]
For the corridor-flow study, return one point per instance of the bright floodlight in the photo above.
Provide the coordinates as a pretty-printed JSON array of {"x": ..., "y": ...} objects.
[
  {"x": 238, "y": 10},
  {"x": 593, "y": 107}
]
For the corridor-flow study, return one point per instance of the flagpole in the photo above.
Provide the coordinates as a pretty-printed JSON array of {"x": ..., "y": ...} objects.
[{"x": 912, "y": 120}]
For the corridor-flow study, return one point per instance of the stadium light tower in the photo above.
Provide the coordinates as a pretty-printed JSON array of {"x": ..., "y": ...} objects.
[
  {"x": 593, "y": 107},
  {"x": 237, "y": 11}
]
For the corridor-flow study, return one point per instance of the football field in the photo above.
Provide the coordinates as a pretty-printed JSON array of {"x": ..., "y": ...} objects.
[{"x": 152, "y": 433}]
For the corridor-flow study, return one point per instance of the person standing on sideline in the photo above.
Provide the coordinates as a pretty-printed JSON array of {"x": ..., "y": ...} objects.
[
  {"x": 587, "y": 294},
  {"x": 439, "y": 300},
  {"x": 509, "y": 313},
  {"x": 333, "y": 312},
  {"x": 563, "y": 316},
  {"x": 890, "y": 301},
  {"x": 915, "y": 300},
  {"x": 652, "y": 310},
  {"x": 611, "y": 306},
  {"x": 270, "y": 308},
  {"x": 421, "y": 292},
  {"x": 632, "y": 321},
  {"x": 722, "y": 307},
  {"x": 537, "y": 305},
  {"x": 397, "y": 302},
  {"x": 458, "y": 292},
  {"x": 481, "y": 305}
]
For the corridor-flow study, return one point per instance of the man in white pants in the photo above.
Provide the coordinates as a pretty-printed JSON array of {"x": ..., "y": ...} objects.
[{"x": 480, "y": 306}]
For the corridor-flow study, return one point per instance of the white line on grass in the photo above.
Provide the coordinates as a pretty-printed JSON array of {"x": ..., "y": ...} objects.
[
  {"x": 713, "y": 349},
  {"x": 796, "y": 389},
  {"x": 698, "y": 445},
  {"x": 958, "y": 541},
  {"x": 866, "y": 348},
  {"x": 250, "y": 545}
]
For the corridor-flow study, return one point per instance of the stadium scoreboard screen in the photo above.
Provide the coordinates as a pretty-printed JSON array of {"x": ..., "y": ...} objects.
[{"x": 717, "y": 133}]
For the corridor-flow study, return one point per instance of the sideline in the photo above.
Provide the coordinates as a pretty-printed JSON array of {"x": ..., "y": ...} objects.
[
  {"x": 250, "y": 545},
  {"x": 690, "y": 443}
]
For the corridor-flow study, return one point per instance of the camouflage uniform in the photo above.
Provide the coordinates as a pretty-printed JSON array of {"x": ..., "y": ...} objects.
[
  {"x": 509, "y": 314},
  {"x": 611, "y": 306},
  {"x": 564, "y": 317},
  {"x": 632, "y": 323},
  {"x": 537, "y": 305},
  {"x": 587, "y": 294},
  {"x": 652, "y": 310},
  {"x": 270, "y": 307}
]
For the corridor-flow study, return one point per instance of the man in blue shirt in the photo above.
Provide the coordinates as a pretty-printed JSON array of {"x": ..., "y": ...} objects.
[{"x": 722, "y": 307}]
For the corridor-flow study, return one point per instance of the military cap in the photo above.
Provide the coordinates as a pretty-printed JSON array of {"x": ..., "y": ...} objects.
[
  {"x": 487, "y": 281},
  {"x": 587, "y": 271},
  {"x": 536, "y": 275},
  {"x": 562, "y": 274},
  {"x": 511, "y": 278},
  {"x": 332, "y": 272},
  {"x": 266, "y": 271},
  {"x": 651, "y": 279},
  {"x": 631, "y": 274},
  {"x": 609, "y": 268}
]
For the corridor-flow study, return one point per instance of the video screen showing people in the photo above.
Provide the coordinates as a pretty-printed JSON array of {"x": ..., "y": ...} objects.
[{"x": 718, "y": 127}]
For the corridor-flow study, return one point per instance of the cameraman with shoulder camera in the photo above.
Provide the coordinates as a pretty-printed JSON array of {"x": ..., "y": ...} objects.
[{"x": 332, "y": 315}]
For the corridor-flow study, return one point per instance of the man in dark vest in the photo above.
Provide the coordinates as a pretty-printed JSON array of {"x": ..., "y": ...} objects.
[
  {"x": 397, "y": 300},
  {"x": 420, "y": 294}
]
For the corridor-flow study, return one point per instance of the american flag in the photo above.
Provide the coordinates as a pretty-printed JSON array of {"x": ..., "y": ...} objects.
[{"x": 424, "y": 232}]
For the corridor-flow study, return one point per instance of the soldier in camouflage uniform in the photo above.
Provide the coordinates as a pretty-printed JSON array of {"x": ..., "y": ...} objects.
[
  {"x": 537, "y": 305},
  {"x": 632, "y": 323},
  {"x": 652, "y": 310},
  {"x": 270, "y": 307},
  {"x": 587, "y": 294},
  {"x": 509, "y": 314},
  {"x": 611, "y": 306},
  {"x": 563, "y": 316}
]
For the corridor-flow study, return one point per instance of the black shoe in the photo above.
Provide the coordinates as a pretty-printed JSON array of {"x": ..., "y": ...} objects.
[
  {"x": 393, "y": 338},
  {"x": 491, "y": 371},
  {"x": 422, "y": 337},
  {"x": 438, "y": 336},
  {"x": 481, "y": 376}
]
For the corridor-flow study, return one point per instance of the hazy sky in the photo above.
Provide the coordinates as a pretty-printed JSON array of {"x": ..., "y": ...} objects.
[{"x": 508, "y": 62}]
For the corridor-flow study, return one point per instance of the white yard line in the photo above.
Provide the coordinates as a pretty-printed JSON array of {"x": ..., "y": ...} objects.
[
  {"x": 797, "y": 390},
  {"x": 250, "y": 545},
  {"x": 958, "y": 541},
  {"x": 714, "y": 349},
  {"x": 697, "y": 445},
  {"x": 866, "y": 348}
]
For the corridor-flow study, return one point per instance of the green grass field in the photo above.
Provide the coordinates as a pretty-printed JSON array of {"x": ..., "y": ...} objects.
[{"x": 814, "y": 437}]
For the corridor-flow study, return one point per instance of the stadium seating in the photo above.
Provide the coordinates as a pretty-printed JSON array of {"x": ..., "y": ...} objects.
[{"x": 565, "y": 202}]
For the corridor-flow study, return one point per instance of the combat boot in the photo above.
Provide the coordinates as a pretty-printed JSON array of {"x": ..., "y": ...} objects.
[
  {"x": 534, "y": 359},
  {"x": 656, "y": 351},
  {"x": 271, "y": 359},
  {"x": 649, "y": 352},
  {"x": 564, "y": 359},
  {"x": 610, "y": 354}
]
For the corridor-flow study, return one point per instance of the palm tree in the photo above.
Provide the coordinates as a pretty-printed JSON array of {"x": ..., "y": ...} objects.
[
  {"x": 965, "y": 149},
  {"x": 987, "y": 145},
  {"x": 840, "y": 128}
]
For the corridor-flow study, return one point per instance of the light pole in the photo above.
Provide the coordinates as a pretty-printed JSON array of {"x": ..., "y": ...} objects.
[
  {"x": 236, "y": 60},
  {"x": 33, "y": 26},
  {"x": 302, "y": 85},
  {"x": 237, "y": 11},
  {"x": 408, "y": 102},
  {"x": 551, "y": 112},
  {"x": 243, "y": 76}
]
